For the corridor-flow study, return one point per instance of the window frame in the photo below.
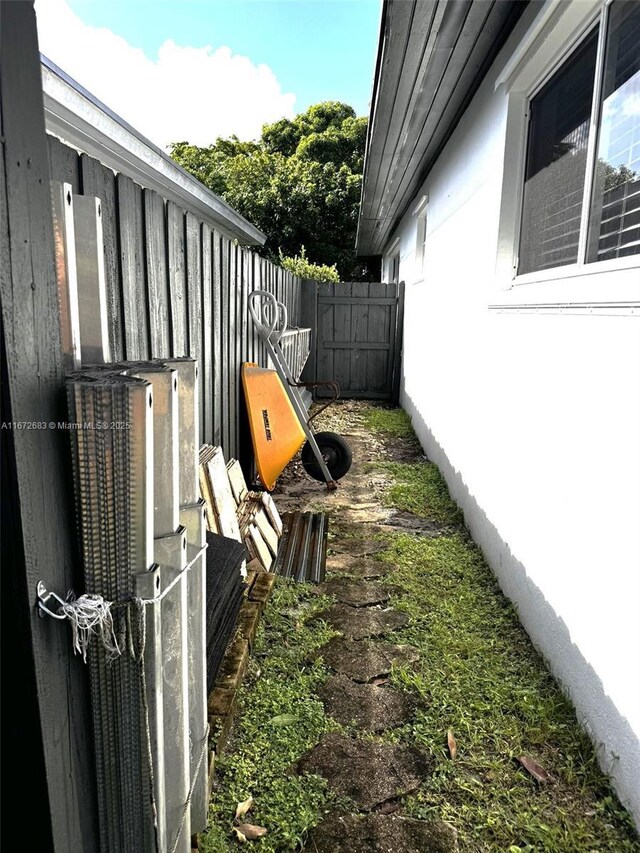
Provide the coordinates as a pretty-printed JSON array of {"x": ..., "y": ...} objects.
[
  {"x": 536, "y": 60},
  {"x": 420, "y": 248}
]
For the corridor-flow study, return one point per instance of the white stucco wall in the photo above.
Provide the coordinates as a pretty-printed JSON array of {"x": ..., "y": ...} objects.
[{"x": 534, "y": 419}]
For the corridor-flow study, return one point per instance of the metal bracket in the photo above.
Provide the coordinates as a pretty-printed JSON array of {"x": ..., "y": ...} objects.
[{"x": 43, "y": 596}]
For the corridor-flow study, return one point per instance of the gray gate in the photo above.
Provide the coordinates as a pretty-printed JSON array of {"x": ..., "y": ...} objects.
[{"x": 358, "y": 338}]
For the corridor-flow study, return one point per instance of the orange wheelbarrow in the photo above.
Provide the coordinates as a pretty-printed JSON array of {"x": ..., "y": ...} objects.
[{"x": 277, "y": 413}]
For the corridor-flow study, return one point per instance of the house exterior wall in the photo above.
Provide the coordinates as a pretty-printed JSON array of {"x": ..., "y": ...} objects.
[{"x": 533, "y": 416}]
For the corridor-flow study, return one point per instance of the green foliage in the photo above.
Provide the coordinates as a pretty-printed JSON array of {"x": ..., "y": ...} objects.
[
  {"x": 280, "y": 719},
  {"x": 299, "y": 183},
  {"x": 301, "y": 266}
]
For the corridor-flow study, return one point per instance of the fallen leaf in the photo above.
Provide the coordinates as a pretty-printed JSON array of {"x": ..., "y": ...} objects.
[
  {"x": 378, "y": 681},
  {"x": 532, "y": 767},
  {"x": 243, "y": 807},
  {"x": 239, "y": 835},
  {"x": 251, "y": 832},
  {"x": 284, "y": 720},
  {"x": 451, "y": 743}
]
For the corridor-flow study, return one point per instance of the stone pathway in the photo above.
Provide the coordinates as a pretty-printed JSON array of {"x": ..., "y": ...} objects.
[
  {"x": 377, "y": 833},
  {"x": 371, "y": 774}
]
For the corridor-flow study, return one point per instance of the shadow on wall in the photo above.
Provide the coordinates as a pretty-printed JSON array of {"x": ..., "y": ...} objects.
[{"x": 617, "y": 745}]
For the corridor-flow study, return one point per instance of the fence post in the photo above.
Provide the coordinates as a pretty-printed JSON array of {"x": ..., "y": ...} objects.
[
  {"x": 309, "y": 320},
  {"x": 397, "y": 355}
]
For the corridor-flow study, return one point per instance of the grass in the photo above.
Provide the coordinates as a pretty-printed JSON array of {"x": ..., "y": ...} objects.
[
  {"x": 420, "y": 489},
  {"x": 478, "y": 675},
  {"x": 260, "y": 758},
  {"x": 394, "y": 422}
]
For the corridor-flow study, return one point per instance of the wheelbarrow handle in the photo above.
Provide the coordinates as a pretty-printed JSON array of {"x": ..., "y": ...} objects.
[{"x": 272, "y": 323}]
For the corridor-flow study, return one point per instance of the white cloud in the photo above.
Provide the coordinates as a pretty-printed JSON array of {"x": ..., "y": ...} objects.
[{"x": 186, "y": 93}]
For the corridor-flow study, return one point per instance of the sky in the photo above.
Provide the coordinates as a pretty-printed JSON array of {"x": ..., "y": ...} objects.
[{"x": 193, "y": 70}]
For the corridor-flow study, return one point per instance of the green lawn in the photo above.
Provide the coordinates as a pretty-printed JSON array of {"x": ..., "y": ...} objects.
[{"x": 478, "y": 675}]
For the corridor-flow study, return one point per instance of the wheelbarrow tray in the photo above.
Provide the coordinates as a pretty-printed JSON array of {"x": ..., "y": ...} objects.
[{"x": 276, "y": 432}]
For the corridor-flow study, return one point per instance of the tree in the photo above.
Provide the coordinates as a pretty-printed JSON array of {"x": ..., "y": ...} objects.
[{"x": 299, "y": 183}]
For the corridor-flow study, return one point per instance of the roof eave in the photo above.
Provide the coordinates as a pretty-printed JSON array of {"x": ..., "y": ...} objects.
[{"x": 77, "y": 117}]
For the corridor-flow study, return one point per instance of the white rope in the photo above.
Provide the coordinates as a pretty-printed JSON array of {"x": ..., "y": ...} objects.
[{"x": 90, "y": 615}]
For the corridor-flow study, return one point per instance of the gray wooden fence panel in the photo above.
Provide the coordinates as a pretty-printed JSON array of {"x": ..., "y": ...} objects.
[
  {"x": 131, "y": 241},
  {"x": 64, "y": 164},
  {"x": 397, "y": 358},
  {"x": 157, "y": 280},
  {"x": 98, "y": 180},
  {"x": 236, "y": 287},
  {"x": 178, "y": 288},
  {"x": 193, "y": 261},
  {"x": 216, "y": 333},
  {"x": 206, "y": 333},
  {"x": 224, "y": 349},
  {"x": 42, "y": 535},
  {"x": 342, "y": 331},
  {"x": 177, "y": 279},
  {"x": 356, "y": 338}
]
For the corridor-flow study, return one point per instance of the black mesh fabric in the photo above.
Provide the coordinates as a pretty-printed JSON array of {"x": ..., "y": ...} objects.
[{"x": 224, "y": 596}]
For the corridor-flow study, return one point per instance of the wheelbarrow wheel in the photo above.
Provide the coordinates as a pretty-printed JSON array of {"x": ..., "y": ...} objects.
[{"x": 335, "y": 452}]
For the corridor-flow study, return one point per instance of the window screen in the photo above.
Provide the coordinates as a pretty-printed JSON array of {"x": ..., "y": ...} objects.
[
  {"x": 614, "y": 227},
  {"x": 556, "y": 163}
]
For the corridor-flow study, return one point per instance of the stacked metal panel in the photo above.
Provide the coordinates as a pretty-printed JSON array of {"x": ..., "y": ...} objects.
[{"x": 143, "y": 535}]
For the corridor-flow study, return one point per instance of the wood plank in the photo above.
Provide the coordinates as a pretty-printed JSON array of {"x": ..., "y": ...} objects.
[
  {"x": 225, "y": 325},
  {"x": 177, "y": 279},
  {"x": 64, "y": 164},
  {"x": 342, "y": 331},
  {"x": 272, "y": 512},
  {"x": 193, "y": 260},
  {"x": 343, "y": 346},
  {"x": 207, "y": 497},
  {"x": 309, "y": 319},
  {"x": 216, "y": 335},
  {"x": 260, "y": 546},
  {"x": 253, "y": 340},
  {"x": 238, "y": 289},
  {"x": 131, "y": 240},
  {"x": 357, "y": 300},
  {"x": 206, "y": 332},
  {"x": 223, "y": 501},
  {"x": 98, "y": 180},
  {"x": 157, "y": 277},
  {"x": 233, "y": 351},
  {"x": 52, "y": 731},
  {"x": 237, "y": 481},
  {"x": 246, "y": 286},
  {"x": 360, "y": 336},
  {"x": 397, "y": 351},
  {"x": 268, "y": 533}
]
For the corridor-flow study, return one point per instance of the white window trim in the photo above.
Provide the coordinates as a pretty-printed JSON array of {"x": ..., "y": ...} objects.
[
  {"x": 420, "y": 249},
  {"x": 552, "y": 36},
  {"x": 392, "y": 250}
]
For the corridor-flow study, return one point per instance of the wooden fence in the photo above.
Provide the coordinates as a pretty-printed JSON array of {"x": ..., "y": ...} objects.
[
  {"x": 356, "y": 333},
  {"x": 175, "y": 286}
]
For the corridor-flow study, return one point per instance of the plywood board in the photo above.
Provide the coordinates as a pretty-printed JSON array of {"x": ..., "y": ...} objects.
[
  {"x": 237, "y": 481},
  {"x": 268, "y": 533}
]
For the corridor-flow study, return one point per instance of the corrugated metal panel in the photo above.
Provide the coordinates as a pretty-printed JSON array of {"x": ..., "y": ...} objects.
[{"x": 302, "y": 553}]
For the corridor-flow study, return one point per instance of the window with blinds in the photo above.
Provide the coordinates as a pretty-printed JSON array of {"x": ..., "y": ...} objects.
[{"x": 564, "y": 164}]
